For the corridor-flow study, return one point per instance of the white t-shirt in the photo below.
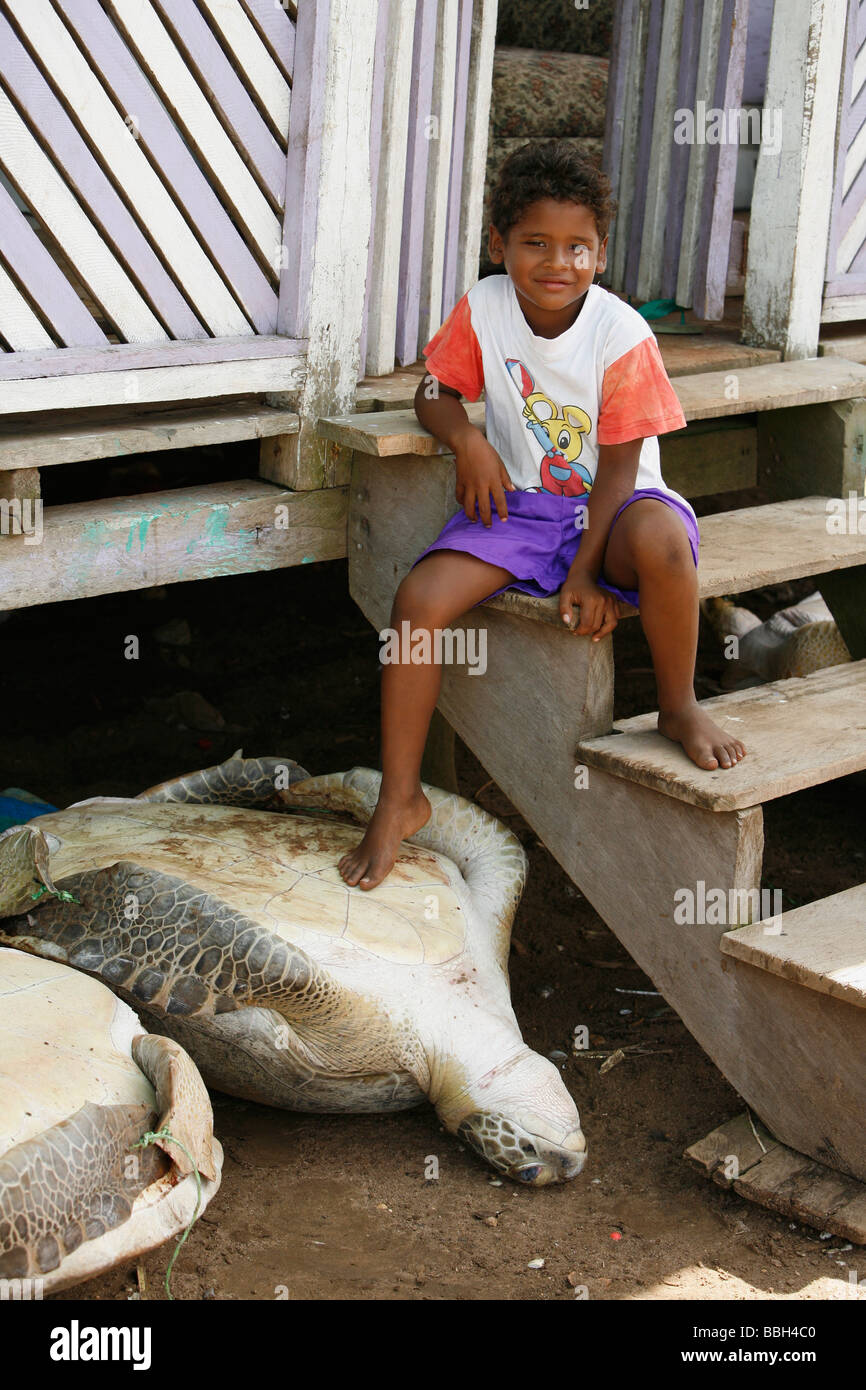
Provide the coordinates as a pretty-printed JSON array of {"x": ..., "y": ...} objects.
[{"x": 552, "y": 401}]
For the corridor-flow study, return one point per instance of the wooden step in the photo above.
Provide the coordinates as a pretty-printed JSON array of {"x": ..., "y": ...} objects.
[
  {"x": 111, "y": 432},
  {"x": 743, "y": 550},
  {"x": 743, "y": 1155},
  {"x": 702, "y": 395},
  {"x": 798, "y": 733},
  {"x": 821, "y": 945},
  {"x": 120, "y": 543}
]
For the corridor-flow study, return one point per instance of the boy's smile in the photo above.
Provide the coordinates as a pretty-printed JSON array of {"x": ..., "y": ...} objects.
[{"x": 552, "y": 255}]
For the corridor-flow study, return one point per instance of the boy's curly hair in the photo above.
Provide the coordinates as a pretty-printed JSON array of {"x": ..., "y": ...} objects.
[{"x": 549, "y": 169}]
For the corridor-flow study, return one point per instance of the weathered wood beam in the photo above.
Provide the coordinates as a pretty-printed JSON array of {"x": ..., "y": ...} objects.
[
  {"x": 121, "y": 543},
  {"x": 791, "y": 203}
]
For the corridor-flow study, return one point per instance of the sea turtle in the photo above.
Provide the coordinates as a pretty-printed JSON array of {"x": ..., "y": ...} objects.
[
  {"x": 80, "y": 1084},
  {"x": 793, "y": 642},
  {"x": 213, "y": 903}
]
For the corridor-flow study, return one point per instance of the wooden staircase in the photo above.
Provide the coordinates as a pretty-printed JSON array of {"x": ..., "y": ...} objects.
[{"x": 635, "y": 824}]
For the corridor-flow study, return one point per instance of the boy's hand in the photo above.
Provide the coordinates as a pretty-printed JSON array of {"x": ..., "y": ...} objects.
[
  {"x": 480, "y": 475},
  {"x": 598, "y": 608}
]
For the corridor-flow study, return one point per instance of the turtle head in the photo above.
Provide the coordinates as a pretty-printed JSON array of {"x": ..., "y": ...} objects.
[
  {"x": 523, "y": 1121},
  {"x": 24, "y": 855}
]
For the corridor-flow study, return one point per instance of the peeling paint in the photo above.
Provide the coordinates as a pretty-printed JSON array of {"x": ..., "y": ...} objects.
[
  {"x": 308, "y": 560},
  {"x": 215, "y": 526}
]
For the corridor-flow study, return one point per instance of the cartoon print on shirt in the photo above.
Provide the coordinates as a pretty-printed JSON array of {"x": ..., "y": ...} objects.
[{"x": 558, "y": 431}]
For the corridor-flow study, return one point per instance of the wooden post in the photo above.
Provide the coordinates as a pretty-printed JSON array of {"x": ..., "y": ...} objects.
[
  {"x": 475, "y": 146},
  {"x": 813, "y": 450},
  {"x": 327, "y": 227},
  {"x": 821, "y": 450},
  {"x": 791, "y": 203}
]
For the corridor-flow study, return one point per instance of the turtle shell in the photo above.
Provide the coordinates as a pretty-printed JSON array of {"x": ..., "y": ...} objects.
[
  {"x": 277, "y": 869},
  {"x": 65, "y": 1040}
]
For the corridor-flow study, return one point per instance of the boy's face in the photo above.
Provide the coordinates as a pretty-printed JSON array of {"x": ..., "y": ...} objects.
[{"x": 552, "y": 254}]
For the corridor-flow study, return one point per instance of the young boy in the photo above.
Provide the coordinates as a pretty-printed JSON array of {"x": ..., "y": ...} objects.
[{"x": 565, "y": 492}]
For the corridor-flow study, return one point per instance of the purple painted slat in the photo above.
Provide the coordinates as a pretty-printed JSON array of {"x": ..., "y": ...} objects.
[
  {"x": 843, "y": 208},
  {"x": 687, "y": 77},
  {"x": 620, "y": 52},
  {"x": 206, "y": 57},
  {"x": 376, "y": 116},
  {"x": 617, "y": 73},
  {"x": 648, "y": 98},
  {"x": 73, "y": 156},
  {"x": 303, "y": 161},
  {"x": 849, "y": 206},
  {"x": 173, "y": 159},
  {"x": 717, "y": 207},
  {"x": 415, "y": 196},
  {"x": 276, "y": 30},
  {"x": 757, "y": 51},
  {"x": 122, "y": 357},
  {"x": 43, "y": 280},
  {"x": 860, "y": 25},
  {"x": 458, "y": 145}
]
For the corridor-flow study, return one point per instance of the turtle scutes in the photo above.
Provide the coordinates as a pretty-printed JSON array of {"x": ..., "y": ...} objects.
[
  {"x": 80, "y": 1084},
  {"x": 214, "y": 905}
]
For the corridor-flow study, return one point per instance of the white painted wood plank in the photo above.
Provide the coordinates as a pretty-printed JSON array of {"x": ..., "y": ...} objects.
[
  {"x": 342, "y": 199},
  {"x": 821, "y": 945},
  {"x": 18, "y": 323},
  {"x": 154, "y": 384},
  {"x": 438, "y": 171},
  {"x": 844, "y": 307},
  {"x": 254, "y": 63},
  {"x": 656, "y": 208},
  {"x": 384, "y": 279},
  {"x": 791, "y": 202},
  {"x": 708, "y": 56},
  {"x": 105, "y": 435},
  {"x": 62, "y": 214},
  {"x": 122, "y": 543},
  {"x": 194, "y": 114},
  {"x": 127, "y": 164},
  {"x": 123, "y": 357},
  {"x": 475, "y": 143}
]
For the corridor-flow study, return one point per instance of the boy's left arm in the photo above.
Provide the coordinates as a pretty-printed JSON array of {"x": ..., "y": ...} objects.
[{"x": 615, "y": 477}]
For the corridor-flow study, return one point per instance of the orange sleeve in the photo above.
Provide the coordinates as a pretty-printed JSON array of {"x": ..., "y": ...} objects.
[
  {"x": 637, "y": 399},
  {"x": 454, "y": 355}
]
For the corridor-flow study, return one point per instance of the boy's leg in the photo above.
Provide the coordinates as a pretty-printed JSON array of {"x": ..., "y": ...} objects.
[
  {"x": 441, "y": 588},
  {"x": 648, "y": 550}
]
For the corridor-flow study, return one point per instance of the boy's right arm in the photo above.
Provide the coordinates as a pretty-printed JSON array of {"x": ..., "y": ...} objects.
[{"x": 481, "y": 474}]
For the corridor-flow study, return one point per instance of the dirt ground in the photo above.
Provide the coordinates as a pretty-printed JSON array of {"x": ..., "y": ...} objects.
[{"x": 344, "y": 1207}]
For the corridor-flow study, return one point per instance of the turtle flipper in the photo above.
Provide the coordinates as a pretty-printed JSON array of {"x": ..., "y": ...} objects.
[
  {"x": 71, "y": 1184},
  {"x": 182, "y": 1100},
  {"x": 260, "y": 783},
  {"x": 165, "y": 944},
  {"x": 24, "y": 856}
]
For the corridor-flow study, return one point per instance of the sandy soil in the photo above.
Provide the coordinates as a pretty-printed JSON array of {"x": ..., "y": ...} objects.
[{"x": 340, "y": 1207}]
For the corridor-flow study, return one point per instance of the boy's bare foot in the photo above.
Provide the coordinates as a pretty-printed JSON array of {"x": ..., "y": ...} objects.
[
  {"x": 706, "y": 744},
  {"x": 393, "y": 820}
]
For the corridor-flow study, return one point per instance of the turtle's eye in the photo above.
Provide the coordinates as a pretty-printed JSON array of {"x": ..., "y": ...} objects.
[{"x": 529, "y": 1174}]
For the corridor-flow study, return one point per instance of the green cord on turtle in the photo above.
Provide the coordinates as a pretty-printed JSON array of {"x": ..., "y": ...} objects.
[
  {"x": 151, "y": 1138},
  {"x": 57, "y": 893}
]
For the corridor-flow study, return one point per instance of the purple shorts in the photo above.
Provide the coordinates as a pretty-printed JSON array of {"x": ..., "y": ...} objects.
[{"x": 541, "y": 538}]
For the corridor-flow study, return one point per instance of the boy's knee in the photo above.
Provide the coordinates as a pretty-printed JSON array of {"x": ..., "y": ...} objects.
[
  {"x": 414, "y": 603},
  {"x": 660, "y": 543}
]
